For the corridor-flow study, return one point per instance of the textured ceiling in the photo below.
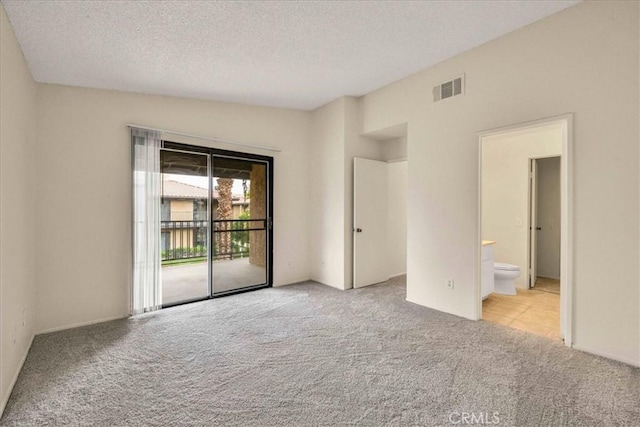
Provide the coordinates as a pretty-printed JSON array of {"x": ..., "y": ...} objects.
[{"x": 279, "y": 53}]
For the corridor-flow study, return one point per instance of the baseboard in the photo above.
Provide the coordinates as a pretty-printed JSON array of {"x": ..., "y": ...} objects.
[
  {"x": 295, "y": 282},
  {"x": 634, "y": 363},
  {"x": 393, "y": 276},
  {"x": 548, "y": 277},
  {"x": 5, "y": 399},
  {"x": 441, "y": 311},
  {"x": 342, "y": 288},
  {"x": 78, "y": 325}
]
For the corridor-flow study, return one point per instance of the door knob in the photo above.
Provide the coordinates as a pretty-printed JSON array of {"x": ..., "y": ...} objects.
[{"x": 358, "y": 230}]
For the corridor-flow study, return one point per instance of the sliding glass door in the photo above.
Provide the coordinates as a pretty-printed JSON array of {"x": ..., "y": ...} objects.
[
  {"x": 184, "y": 229},
  {"x": 241, "y": 222},
  {"x": 216, "y": 222}
]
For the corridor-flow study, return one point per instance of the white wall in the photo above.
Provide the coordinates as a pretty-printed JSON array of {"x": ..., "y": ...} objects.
[
  {"x": 552, "y": 67},
  {"x": 336, "y": 141},
  {"x": 394, "y": 149},
  {"x": 17, "y": 208},
  {"x": 84, "y": 191},
  {"x": 397, "y": 217},
  {"x": 548, "y": 256},
  {"x": 355, "y": 145},
  {"x": 327, "y": 195},
  {"x": 505, "y": 190}
]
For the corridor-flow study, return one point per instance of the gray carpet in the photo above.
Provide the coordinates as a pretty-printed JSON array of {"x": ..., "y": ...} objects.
[{"x": 307, "y": 355}]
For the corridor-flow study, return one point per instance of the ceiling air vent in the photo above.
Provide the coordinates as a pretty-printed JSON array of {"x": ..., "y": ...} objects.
[{"x": 448, "y": 89}]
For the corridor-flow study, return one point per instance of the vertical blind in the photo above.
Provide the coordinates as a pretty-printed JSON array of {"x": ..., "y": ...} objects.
[{"x": 147, "y": 187}]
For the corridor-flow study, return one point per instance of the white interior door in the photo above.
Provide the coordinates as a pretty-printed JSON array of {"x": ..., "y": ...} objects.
[
  {"x": 533, "y": 222},
  {"x": 369, "y": 222}
]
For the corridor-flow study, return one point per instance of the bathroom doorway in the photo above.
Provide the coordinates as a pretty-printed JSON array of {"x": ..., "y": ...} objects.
[{"x": 511, "y": 225}]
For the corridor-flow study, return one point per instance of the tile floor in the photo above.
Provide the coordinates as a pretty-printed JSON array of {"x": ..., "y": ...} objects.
[
  {"x": 547, "y": 285},
  {"x": 189, "y": 281},
  {"x": 530, "y": 310}
]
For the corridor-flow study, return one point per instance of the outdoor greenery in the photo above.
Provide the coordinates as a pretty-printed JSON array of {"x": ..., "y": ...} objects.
[
  {"x": 239, "y": 245},
  {"x": 170, "y": 262},
  {"x": 240, "y": 239},
  {"x": 186, "y": 252}
]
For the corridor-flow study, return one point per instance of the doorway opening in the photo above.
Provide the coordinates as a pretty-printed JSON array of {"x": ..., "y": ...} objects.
[
  {"x": 380, "y": 193},
  {"x": 524, "y": 271},
  {"x": 544, "y": 224},
  {"x": 216, "y": 225}
]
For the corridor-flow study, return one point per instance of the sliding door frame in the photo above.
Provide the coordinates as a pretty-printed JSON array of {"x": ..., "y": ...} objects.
[
  {"x": 212, "y": 152},
  {"x": 209, "y": 200}
]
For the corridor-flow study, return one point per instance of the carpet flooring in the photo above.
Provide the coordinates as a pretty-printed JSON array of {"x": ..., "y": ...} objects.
[{"x": 310, "y": 355}]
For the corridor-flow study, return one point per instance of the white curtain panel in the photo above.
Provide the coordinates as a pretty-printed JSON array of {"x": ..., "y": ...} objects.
[{"x": 147, "y": 188}]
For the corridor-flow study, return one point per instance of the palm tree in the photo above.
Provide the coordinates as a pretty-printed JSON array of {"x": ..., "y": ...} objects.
[{"x": 224, "y": 212}]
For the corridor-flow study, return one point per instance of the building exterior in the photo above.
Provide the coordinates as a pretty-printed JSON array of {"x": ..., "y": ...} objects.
[{"x": 184, "y": 218}]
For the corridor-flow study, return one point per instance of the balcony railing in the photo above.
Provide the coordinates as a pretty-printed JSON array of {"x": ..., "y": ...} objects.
[{"x": 184, "y": 240}]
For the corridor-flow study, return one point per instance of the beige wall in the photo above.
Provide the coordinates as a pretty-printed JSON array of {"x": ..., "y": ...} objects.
[
  {"x": 555, "y": 66},
  {"x": 84, "y": 258},
  {"x": 337, "y": 140},
  {"x": 258, "y": 209},
  {"x": 179, "y": 238},
  {"x": 552, "y": 67},
  {"x": 17, "y": 208},
  {"x": 397, "y": 218},
  {"x": 505, "y": 190},
  {"x": 181, "y": 210},
  {"x": 394, "y": 149},
  {"x": 549, "y": 194},
  {"x": 355, "y": 145},
  {"x": 327, "y": 195}
]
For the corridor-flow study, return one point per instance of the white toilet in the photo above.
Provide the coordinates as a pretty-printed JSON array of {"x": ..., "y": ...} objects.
[{"x": 504, "y": 277}]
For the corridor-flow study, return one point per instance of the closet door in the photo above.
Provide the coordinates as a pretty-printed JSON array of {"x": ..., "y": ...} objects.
[{"x": 369, "y": 222}]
